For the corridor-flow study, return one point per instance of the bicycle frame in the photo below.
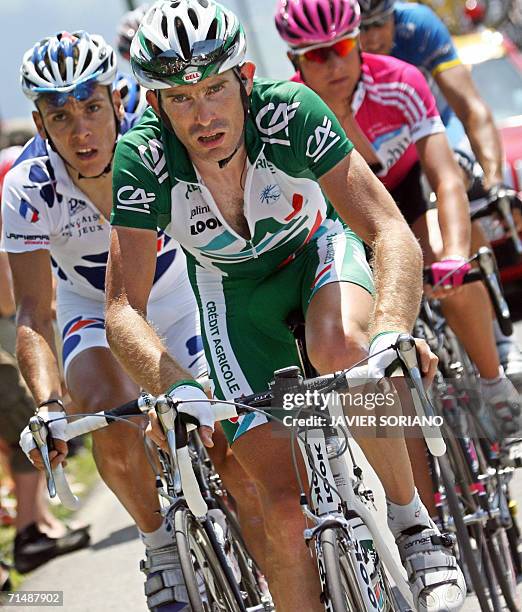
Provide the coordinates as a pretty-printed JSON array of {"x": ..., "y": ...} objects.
[{"x": 327, "y": 511}]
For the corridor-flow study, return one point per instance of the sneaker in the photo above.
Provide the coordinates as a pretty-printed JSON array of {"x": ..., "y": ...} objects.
[
  {"x": 33, "y": 548},
  {"x": 164, "y": 586},
  {"x": 505, "y": 408},
  {"x": 5, "y": 580},
  {"x": 511, "y": 359},
  {"x": 436, "y": 580}
]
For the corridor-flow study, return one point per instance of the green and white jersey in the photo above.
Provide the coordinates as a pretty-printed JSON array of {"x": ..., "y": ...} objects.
[{"x": 292, "y": 139}]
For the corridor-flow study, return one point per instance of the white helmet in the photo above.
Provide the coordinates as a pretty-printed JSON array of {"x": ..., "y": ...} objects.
[
  {"x": 60, "y": 63},
  {"x": 128, "y": 26},
  {"x": 185, "y": 41},
  {"x": 133, "y": 96}
]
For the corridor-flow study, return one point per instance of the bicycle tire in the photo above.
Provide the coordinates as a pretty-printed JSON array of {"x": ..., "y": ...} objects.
[
  {"x": 342, "y": 587},
  {"x": 250, "y": 571},
  {"x": 502, "y": 562},
  {"x": 198, "y": 557},
  {"x": 462, "y": 533}
]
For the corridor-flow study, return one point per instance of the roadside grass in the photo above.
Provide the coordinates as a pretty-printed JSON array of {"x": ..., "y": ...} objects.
[{"x": 82, "y": 475}]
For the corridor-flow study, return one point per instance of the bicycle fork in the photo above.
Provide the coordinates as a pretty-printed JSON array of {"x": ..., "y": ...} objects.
[{"x": 324, "y": 467}]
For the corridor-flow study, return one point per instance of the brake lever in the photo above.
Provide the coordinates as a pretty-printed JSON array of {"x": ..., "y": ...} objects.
[
  {"x": 167, "y": 413},
  {"x": 38, "y": 428},
  {"x": 408, "y": 355},
  {"x": 504, "y": 207},
  {"x": 487, "y": 265}
]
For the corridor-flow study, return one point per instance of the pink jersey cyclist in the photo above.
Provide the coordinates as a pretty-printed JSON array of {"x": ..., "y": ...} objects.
[{"x": 395, "y": 108}]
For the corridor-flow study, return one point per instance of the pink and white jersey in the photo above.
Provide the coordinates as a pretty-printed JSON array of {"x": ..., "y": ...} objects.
[{"x": 395, "y": 108}]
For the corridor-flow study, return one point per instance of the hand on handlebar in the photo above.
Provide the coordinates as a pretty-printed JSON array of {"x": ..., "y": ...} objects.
[
  {"x": 201, "y": 411},
  {"x": 499, "y": 192},
  {"x": 378, "y": 364},
  {"x": 59, "y": 446},
  {"x": 449, "y": 275}
]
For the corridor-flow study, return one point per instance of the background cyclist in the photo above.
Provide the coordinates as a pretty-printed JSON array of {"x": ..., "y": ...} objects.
[
  {"x": 388, "y": 111},
  {"x": 55, "y": 208},
  {"x": 414, "y": 33}
]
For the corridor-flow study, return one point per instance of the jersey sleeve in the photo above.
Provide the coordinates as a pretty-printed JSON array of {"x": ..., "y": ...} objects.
[
  {"x": 418, "y": 104},
  {"x": 433, "y": 42},
  {"x": 304, "y": 130},
  {"x": 136, "y": 187},
  {"x": 25, "y": 225},
  {"x": 321, "y": 143}
]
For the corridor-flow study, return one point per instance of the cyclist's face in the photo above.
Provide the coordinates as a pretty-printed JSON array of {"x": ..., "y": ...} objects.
[
  {"x": 207, "y": 117},
  {"x": 378, "y": 38},
  {"x": 335, "y": 76},
  {"x": 83, "y": 131}
]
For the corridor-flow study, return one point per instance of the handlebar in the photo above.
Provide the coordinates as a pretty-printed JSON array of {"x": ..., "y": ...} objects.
[
  {"x": 290, "y": 380},
  {"x": 176, "y": 425},
  {"x": 501, "y": 204},
  {"x": 488, "y": 273}
]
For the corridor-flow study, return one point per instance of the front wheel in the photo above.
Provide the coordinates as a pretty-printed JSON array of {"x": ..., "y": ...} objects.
[
  {"x": 338, "y": 576},
  {"x": 207, "y": 585},
  {"x": 347, "y": 585}
]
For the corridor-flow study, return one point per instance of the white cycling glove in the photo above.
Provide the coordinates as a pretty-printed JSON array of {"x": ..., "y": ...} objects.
[
  {"x": 378, "y": 364},
  {"x": 57, "y": 428},
  {"x": 202, "y": 411}
]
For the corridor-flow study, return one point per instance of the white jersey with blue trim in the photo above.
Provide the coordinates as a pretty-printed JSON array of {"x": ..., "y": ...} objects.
[{"x": 43, "y": 209}]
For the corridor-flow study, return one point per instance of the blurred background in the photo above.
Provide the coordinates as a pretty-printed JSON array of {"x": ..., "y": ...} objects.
[{"x": 26, "y": 21}]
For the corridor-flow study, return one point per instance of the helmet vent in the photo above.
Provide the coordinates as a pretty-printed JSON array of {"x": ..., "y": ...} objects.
[
  {"x": 212, "y": 31},
  {"x": 193, "y": 17},
  {"x": 300, "y": 23},
  {"x": 175, "y": 4},
  {"x": 323, "y": 18},
  {"x": 203, "y": 3},
  {"x": 182, "y": 37}
]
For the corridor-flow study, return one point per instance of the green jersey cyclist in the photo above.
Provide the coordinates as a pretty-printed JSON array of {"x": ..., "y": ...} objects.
[{"x": 259, "y": 184}]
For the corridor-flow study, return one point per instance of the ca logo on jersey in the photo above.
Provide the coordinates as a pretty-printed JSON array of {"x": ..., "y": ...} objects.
[
  {"x": 276, "y": 122},
  {"x": 322, "y": 140},
  {"x": 156, "y": 156},
  {"x": 134, "y": 199}
]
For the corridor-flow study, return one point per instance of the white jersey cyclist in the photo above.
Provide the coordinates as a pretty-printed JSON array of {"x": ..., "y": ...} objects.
[{"x": 43, "y": 209}]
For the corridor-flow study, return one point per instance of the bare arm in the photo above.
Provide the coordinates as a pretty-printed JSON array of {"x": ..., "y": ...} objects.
[
  {"x": 444, "y": 177},
  {"x": 130, "y": 273},
  {"x": 365, "y": 205},
  {"x": 35, "y": 347},
  {"x": 459, "y": 90}
]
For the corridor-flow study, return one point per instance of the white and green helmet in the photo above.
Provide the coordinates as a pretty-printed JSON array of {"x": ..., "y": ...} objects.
[{"x": 185, "y": 41}]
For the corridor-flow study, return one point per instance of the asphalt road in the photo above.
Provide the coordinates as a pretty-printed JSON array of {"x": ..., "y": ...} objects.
[{"x": 106, "y": 576}]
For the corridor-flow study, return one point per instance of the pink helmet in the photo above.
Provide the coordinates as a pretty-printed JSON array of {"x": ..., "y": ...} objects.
[{"x": 316, "y": 21}]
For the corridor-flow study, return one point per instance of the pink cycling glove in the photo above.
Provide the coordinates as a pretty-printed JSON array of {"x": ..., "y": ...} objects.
[{"x": 441, "y": 268}]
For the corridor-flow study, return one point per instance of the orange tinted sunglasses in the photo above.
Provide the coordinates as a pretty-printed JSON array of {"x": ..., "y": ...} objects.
[{"x": 320, "y": 55}]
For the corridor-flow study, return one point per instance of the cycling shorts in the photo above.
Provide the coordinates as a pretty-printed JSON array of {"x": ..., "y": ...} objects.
[
  {"x": 81, "y": 322},
  {"x": 244, "y": 319},
  {"x": 410, "y": 195}
]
